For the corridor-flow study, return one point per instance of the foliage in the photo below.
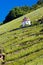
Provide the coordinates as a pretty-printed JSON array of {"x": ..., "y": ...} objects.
[
  {"x": 20, "y": 11},
  {"x": 40, "y": 2},
  {"x": 14, "y": 13},
  {"x": 23, "y": 46}
]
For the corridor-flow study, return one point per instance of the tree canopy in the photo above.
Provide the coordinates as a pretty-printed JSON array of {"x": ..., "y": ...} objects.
[{"x": 20, "y": 11}]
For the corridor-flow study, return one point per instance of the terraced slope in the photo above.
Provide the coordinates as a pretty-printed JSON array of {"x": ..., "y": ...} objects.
[{"x": 22, "y": 46}]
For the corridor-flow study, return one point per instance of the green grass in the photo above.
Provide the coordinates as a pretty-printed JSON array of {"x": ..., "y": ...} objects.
[
  {"x": 17, "y": 22},
  {"x": 25, "y": 45}
]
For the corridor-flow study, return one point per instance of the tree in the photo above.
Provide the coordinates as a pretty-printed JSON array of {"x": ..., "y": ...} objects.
[
  {"x": 20, "y": 11},
  {"x": 26, "y": 8},
  {"x": 17, "y": 12},
  {"x": 40, "y": 2},
  {"x": 13, "y": 14}
]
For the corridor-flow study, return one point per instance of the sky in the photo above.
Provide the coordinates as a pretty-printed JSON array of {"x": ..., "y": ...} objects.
[{"x": 7, "y": 5}]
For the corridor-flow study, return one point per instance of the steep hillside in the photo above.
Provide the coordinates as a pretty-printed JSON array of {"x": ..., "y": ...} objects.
[
  {"x": 17, "y": 22},
  {"x": 23, "y": 46}
]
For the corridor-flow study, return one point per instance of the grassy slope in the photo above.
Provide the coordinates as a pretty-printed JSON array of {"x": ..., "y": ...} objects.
[
  {"x": 17, "y": 22},
  {"x": 25, "y": 45}
]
